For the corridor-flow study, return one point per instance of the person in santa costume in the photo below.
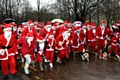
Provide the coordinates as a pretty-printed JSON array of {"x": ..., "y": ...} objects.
[
  {"x": 50, "y": 47},
  {"x": 75, "y": 36},
  {"x": 30, "y": 28},
  {"x": 92, "y": 37},
  {"x": 101, "y": 35},
  {"x": 40, "y": 44},
  {"x": 8, "y": 49},
  {"x": 115, "y": 45},
  {"x": 27, "y": 49},
  {"x": 63, "y": 40}
]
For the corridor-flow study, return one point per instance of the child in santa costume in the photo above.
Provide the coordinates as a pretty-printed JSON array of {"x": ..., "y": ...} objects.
[
  {"x": 49, "y": 52},
  {"x": 27, "y": 49},
  {"x": 39, "y": 50},
  {"x": 115, "y": 45},
  {"x": 63, "y": 40},
  {"x": 8, "y": 48}
]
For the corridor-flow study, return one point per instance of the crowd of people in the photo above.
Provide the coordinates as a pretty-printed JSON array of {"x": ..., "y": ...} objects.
[{"x": 36, "y": 42}]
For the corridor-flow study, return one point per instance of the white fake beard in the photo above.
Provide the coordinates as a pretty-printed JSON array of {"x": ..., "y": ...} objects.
[
  {"x": 66, "y": 35},
  {"x": 7, "y": 34},
  {"x": 48, "y": 29},
  {"x": 41, "y": 46},
  {"x": 29, "y": 41}
]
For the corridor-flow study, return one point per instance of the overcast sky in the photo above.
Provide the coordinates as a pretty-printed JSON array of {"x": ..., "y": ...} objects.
[{"x": 34, "y": 2}]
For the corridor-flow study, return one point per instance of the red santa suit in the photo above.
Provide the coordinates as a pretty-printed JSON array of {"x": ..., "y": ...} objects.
[
  {"x": 62, "y": 42},
  {"x": 49, "y": 53},
  {"x": 92, "y": 37},
  {"x": 75, "y": 36},
  {"x": 8, "y": 48},
  {"x": 114, "y": 44},
  {"x": 101, "y": 35},
  {"x": 27, "y": 49}
]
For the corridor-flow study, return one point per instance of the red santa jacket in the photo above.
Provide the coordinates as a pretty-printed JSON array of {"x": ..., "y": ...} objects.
[
  {"x": 10, "y": 49},
  {"x": 75, "y": 38},
  {"x": 61, "y": 43},
  {"x": 27, "y": 29},
  {"x": 99, "y": 34},
  {"x": 114, "y": 41},
  {"x": 51, "y": 44},
  {"x": 26, "y": 49},
  {"x": 44, "y": 33}
]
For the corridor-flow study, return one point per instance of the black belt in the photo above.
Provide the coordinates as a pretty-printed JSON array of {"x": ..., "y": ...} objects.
[{"x": 6, "y": 47}]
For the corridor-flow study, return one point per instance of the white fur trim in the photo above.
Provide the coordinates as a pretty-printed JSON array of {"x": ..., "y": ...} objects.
[
  {"x": 77, "y": 25},
  {"x": 7, "y": 29},
  {"x": 40, "y": 40},
  {"x": 49, "y": 49}
]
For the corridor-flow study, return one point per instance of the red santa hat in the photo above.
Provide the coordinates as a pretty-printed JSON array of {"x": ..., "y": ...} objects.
[
  {"x": 104, "y": 22},
  {"x": 84, "y": 25},
  {"x": 40, "y": 39},
  {"x": 115, "y": 26},
  {"x": 66, "y": 22},
  {"x": 36, "y": 22},
  {"x": 118, "y": 23},
  {"x": 116, "y": 33},
  {"x": 42, "y": 24},
  {"x": 78, "y": 24},
  {"x": 48, "y": 23},
  {"x": 30, "y": 22},
  {"x": 93, "y": 25},
  {"x": 13, "y": 24},
  {"x": 7, "y": 27}
]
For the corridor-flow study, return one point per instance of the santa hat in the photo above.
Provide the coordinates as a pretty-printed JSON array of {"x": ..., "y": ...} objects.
[
  {"x": 115, "y": 26},
  {"x": 40, "y": 39},
  {"x": 30, "y": 35},
  {"x": 104, "y": 22},
  {"x": 30, "y": 22},
  {"x": 38, "y": 26},
  {"x": 93, "y": 24},
  {"x": 36, "y": 22},
  {"x": 85, "y": 25},
  {"x": 7, "y": 27},
  {"x": 66, "y": 22},
  {"x": 13, "y": 24},
  {"x": 48, "y": 23},
  {"x": 42, "y": 23},
  {"x": 78, "y": 24},
  {"x": 118, "y": 23},
  {"x": 116, "y": 33}
]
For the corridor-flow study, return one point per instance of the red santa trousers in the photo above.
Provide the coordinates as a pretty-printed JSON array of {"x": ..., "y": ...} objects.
[
  {"x": 38, "y": 58},
  {"x": 49, "y": 55},
  {"x": 61, "y": 54},
  {"x": 93, "y": 45},
  {"x": 32, "y": 56},
  {"x": 81, "y": 47},
  {"x": 116, "y": 48},
  {"x": 19, "y": 52},
  {"x": 12, "y": 62},
  {"x": 67, "y": 52},
  {"x": 101, "y": 44}
]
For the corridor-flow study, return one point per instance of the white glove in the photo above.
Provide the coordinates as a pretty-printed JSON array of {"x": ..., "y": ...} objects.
[
  {"x": 2, "y": 51},
  {"x": 40, "y": 52},
  {"x": 16, "y": 52},
  {"x": 60, "y": 43}
]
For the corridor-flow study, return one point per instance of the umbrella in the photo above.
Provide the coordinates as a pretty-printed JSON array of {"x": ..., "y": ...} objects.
[
  {"x": 8, "y": 20},
  {"x": 57, "y": 20}
]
